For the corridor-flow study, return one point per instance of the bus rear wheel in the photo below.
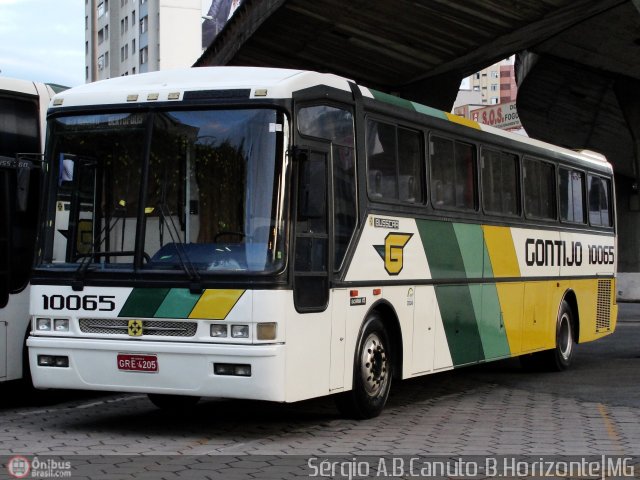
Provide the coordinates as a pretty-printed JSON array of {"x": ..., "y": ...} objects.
[
  {"x": 372, "y": 372},
  {"x": 558, "y": 358},
  {"x": 173, "y": 403}
]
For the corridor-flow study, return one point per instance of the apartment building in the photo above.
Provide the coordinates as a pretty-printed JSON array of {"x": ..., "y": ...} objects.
[
  {"x": 496, "y": 83},
  {"x": 125, "y": 37}
]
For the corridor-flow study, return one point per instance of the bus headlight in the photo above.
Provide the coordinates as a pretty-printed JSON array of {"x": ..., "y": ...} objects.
[
  {"x": 219, "y": 330},
  {"x": 267, "y": 331},
  {"x": 60, "y": 324},
  {"x": 43, "y": 324},
  {"x": 239, "y": 331}
]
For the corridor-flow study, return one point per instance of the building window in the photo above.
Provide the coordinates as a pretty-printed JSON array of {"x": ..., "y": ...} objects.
[
  {"x": 476, "y": 88},
  {"x": 494, "y": 74},
  {"x": 86, "y": 48},
  {"x": 101, "y": 9},
  {"x": 144, "y": 56},
  {"x": 133, "y": 71},
  {"x": 86, "y": 73},
  {"x": 106, "y": 59},
  {"x": 144, "y": 24},
  {"x": 126, "y": 24},
  {"x": 494, "y": 88},
  {"x": 494, "y": 100},
  {"x": 86, "y": 23},
  {"x": 133, "y": 18},
  {"x": 133, "y": 45},
  {"x": 106, "y": 32},
  {"x": 101, "y": 62},
  {"x": 100, "y": 36},
  {"x": 122, "y": 27},
  {"x": 142, "y": 2}
]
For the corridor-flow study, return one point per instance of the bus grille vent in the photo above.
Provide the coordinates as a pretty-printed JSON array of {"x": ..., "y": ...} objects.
[
  {"x": 119, "y": 326},
  {"x": 603, "y": 313}
]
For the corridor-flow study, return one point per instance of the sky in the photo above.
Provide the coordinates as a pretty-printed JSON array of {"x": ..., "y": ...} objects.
[{"x": 42, "y": 40}]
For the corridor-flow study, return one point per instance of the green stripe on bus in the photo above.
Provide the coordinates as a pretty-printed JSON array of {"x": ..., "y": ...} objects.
[
  {"x": 177, "y": 304},
  {"x": 392, "y": 99},
  {"x": 493, "y": 332},
  {"x": 470, "y": 240},
  {"x": 429, "y": 111},
  {"x": 460, "y": 326},
  {"x": 143, "y": 302},
  {"x": 441, "y": 247}
]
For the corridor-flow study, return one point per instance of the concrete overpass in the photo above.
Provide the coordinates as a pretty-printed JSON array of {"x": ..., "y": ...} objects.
[{"x": 577, "y": 67}]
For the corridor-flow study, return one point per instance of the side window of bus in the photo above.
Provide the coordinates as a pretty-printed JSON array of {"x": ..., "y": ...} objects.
[
  {"x": 599, "y": 205},
  {"x": 394, "y": 160},
  {"x": 453, "y": 174},
  {"x": 571, "y": 195},
  {"x": 539, "y": 189},
  {"x": 336, "y": 125},
  {"x": 500, "y": 182}
]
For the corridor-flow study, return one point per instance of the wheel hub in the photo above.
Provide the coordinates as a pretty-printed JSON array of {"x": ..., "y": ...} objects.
[{"x": 374, "y": 365}]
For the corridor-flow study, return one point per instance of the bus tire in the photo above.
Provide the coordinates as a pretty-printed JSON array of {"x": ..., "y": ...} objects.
[
  {"x": 559, "y": 358},
  {"x": 372, "y": 372},
  {"x": 173, "y": 403}
]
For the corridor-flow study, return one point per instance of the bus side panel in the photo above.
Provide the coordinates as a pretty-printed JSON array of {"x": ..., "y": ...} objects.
[
  {"x": 308, "y": 350},
  {"x": 540, "y": 314},
  {"x": 16, "y": 318}
]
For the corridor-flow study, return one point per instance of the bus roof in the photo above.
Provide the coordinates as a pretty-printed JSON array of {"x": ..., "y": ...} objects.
[{"x": 263, "y": 83}]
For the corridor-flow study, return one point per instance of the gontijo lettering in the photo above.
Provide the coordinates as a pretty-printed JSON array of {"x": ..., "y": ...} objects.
[{"x": 549, "y": 253}]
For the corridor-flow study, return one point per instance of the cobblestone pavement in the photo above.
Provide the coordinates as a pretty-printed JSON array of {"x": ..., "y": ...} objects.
[{"x": 497, "y": 409}]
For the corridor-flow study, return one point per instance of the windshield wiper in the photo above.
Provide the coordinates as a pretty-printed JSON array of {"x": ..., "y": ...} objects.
[{"x": 196, "y": 281}]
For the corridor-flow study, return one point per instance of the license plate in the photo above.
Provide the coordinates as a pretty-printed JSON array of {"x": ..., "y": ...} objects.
[{"x": 135, "y": 362}]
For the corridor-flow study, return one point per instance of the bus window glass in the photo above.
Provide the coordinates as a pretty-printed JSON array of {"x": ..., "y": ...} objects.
[
  {"x": 394, "y": 159},
  {"x": 18, "y": 126},
  {"x": 500, "y": 182},
  {"x": 330, "y": 123},
  {"x": 539, "y": 190},
  {"x": 453, "y": 182},
  {"x": 336, "y": 125},
  {"x": 571, "y": 195},
  {"x": 599, "y": 206},
  {"x": 213, "y": 190},
  {"x": 95, "y": 186},
  {"x": 409, "y": 165},
  {"x": 381, "y": 160}
]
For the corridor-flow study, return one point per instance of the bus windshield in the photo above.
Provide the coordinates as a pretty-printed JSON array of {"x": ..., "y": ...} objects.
[{"x": 192, "y": 190}]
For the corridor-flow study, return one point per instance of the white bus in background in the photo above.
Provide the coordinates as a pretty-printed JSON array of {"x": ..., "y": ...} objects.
[{"x": 23, "y": 108}]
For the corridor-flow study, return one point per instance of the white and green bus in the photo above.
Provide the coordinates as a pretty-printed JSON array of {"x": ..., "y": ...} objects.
[
  {"x": 23, "y": 108},
  {"x": 281, "y": 235}
]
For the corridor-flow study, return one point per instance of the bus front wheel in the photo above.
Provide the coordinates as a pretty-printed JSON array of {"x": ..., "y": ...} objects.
[{"x": 372, "y": 372}]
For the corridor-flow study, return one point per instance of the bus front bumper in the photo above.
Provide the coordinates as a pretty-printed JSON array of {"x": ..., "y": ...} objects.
[{"x": 182, "y": 368}]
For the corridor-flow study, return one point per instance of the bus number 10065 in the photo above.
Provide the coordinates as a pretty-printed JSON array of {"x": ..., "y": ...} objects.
[{"x": 102, "y": 303}]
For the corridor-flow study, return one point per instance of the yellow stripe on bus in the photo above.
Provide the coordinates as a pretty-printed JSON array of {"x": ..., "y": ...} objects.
[
  {"x": 215, "y": 304},
  {"x": 502, "y": 253},
  {"x": 462, "y": 121}
]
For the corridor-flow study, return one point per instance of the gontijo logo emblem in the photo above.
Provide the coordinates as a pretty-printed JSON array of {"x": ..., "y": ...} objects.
[{"x": 392, "y": 252}]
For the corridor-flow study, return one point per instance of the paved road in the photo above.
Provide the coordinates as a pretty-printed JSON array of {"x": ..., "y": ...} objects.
[{"x": 495, "y": 409}]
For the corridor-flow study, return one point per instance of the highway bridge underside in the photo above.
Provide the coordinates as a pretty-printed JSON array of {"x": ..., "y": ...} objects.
[{"x": 581, "y": 89}]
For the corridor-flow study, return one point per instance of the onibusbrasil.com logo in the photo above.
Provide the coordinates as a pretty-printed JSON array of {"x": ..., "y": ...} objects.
[{"x": 22, "y": 467}]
